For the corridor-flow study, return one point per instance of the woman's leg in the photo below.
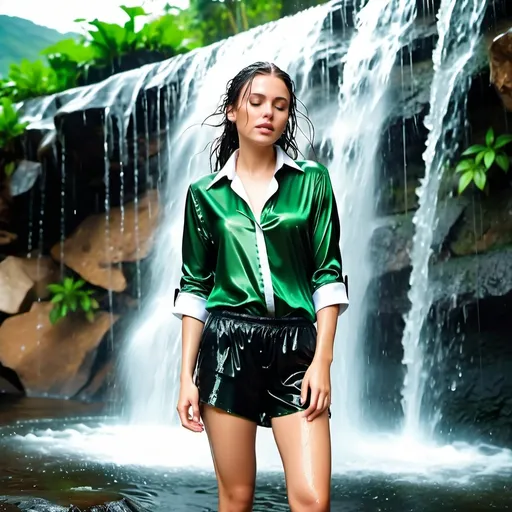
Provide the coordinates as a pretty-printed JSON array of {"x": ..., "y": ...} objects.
[
  {"x": 305, "y": 449},
  {"x": 232, "y": 442}
]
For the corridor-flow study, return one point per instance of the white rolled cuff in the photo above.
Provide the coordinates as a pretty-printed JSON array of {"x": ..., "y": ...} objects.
[
  {"x": 190, "y": 305},
  {"x": 329, "y": 294}
]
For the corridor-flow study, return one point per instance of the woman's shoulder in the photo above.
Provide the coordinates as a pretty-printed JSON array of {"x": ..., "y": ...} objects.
[
  {"x": 312, "y": 167},
  {"x": 201, "y": 183}
]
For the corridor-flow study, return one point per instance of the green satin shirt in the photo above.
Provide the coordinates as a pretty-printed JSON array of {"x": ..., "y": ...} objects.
[{"x": 287, "y": 262}]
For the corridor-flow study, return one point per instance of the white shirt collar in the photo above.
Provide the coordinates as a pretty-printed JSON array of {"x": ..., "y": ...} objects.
[{"x": 229, "y": 169}]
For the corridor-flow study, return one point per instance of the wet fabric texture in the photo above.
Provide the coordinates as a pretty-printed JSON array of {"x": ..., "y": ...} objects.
[{"x": 253, "y": 366}]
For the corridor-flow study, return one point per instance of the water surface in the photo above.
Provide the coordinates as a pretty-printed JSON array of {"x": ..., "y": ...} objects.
[{"x": 71, "y": 453}]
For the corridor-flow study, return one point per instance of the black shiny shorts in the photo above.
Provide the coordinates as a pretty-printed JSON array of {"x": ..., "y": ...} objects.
[{"x": 253, "y": 366}]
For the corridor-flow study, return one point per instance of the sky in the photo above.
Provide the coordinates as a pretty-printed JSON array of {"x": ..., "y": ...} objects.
[{"x": 59, "y": 14}]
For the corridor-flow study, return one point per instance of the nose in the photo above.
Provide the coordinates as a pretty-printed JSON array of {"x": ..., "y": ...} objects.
[{"x": 268, "y": 112}]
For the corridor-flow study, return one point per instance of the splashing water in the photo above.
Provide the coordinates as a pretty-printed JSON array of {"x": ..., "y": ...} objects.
[
  {"x": 382, "y": 28},
  {"x": 459, "y": 25}
]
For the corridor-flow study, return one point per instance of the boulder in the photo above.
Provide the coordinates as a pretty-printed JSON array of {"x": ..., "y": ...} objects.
[
  {"x": 23, "y": 279},
  {"x": 14, "y": 285},
  {"x": 501, "y": 66},
  {"x": 52, "y": 359},
  {"x": 130, "y": 238}
]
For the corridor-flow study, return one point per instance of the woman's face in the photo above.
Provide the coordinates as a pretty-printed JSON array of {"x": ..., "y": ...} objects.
[{"x": 262, "y": 111}]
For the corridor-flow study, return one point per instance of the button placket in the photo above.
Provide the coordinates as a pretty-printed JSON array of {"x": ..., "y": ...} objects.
[{"x": 261, "y": 246}]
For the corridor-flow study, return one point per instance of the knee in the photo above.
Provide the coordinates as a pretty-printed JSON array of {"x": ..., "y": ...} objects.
[
  {"x": 305, "y": 501},
  {"x": 237, "y": 499}
]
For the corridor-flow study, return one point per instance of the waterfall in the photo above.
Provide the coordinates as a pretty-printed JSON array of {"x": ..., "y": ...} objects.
[
  {"x": 382, "y": 28},
  {"x": 150, "y": 361},
  {"x": 459, "y": 23}
]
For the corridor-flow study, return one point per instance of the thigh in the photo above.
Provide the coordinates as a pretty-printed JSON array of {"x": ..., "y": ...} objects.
[
  {"x": 232, "y": 442},
  {"x": 305, "y": 449}
]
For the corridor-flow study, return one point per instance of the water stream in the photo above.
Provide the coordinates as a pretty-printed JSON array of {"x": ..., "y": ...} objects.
[{"x": 452, "y": 58}]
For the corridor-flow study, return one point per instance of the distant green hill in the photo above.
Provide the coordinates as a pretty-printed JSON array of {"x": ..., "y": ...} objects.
[{"x": 22, "y": 39}]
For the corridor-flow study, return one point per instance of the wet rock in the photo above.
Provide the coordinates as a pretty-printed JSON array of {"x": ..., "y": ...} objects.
[
  {"x": 391, "y": 242},
  {"x": 9, "y": 382},
  {"x": 14, "y": 285},
  {"x": 24, "y": 280},
  {"x": 501, "y": 66},
  {"x": 5, "y": 237},
  {"x": 24, "y": 177},
  {"x": 29, "y": 504},
  {"x": 52, "y": 359},
  {"x": 128, "y": 235},
  {"x": 485, "y": 226},
  {"x": 469, "y": 278}
]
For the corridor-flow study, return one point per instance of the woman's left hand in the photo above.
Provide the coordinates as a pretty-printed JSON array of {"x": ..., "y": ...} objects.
[{"x": 318, "y": 380}]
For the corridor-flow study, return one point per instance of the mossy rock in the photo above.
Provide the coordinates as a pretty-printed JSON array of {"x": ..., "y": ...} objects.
[{"x": 486, "y": 224}]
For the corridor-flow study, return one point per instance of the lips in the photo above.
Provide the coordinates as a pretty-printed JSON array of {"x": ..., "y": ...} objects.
[{"x": 267, "y": 126}]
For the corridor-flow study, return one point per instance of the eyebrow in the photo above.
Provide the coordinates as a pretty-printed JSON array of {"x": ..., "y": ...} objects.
[{"x": 263, "y": 96}]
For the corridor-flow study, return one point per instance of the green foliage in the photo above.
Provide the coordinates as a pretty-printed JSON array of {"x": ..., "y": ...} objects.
[
  {"x": 219, "y": 19},
  {"x": 31, "y": 79},
  {"x": 10, "y": 128},
  {"x": 483, "y": 157},
  {"x": 69, "y": 296}
]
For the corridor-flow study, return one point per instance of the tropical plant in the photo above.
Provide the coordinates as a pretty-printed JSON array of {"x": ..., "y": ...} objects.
[
  {"x": 104, "y": 43},
  {"x": 10, "y": 129},
  {"x": 31, "y": 79},
  {"x": 69, "y": 296},
  {"x": 483, "y": 157}
]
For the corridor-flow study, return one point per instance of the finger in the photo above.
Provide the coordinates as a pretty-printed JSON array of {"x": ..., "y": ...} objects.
[
  {"x": 196, "y": 415},
  {"x": 319, "y": 409},
  {"x": 186, "y": 422},
  {"x": 312, "y": 404}
]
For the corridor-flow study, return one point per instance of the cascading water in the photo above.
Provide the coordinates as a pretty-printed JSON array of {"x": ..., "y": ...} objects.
[
  {"x": 459, "y": 25},
  {"x": 382, "y": 28}
]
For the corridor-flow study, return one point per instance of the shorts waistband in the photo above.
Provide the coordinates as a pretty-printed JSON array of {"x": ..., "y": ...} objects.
[{"x": 262, "y": 320}]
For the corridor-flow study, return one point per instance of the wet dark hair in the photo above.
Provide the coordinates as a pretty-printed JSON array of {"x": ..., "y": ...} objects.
[{"x": 228, "y": 142}]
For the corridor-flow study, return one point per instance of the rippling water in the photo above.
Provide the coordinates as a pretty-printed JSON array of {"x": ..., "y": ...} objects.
[{"x": 85, "y": 459}]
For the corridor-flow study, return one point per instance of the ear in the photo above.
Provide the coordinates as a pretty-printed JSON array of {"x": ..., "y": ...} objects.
[{"x": 231, "y": 114}]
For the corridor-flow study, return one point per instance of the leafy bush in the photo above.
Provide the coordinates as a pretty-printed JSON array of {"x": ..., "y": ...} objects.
[
  {"x": 69, "y": 296},
  {"x": 31, "y": 79},
  {"x": 106, "y": 42},
  {"x": 10, "y": 128},
  {"x": 483, "y": 158}
]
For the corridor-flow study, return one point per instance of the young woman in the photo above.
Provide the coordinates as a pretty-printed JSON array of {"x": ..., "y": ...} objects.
[{"x": 261, "y": 265}]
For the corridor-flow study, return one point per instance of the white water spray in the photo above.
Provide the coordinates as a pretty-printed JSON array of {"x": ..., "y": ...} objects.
[
  {"x": 459, "y": 23},
  {"x": 382, "y": 29}
]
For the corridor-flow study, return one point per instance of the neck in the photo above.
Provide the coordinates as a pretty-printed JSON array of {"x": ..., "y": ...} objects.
[{"x": 255, "y": 160}]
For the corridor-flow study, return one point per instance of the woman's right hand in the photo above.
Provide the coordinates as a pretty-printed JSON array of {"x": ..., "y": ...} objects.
[{"x": 189, "y": 399}]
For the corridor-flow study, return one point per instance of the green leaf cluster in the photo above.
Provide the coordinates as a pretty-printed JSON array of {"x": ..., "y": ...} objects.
[
  {"x": 482, "y": 158},
  {"x": 10, "y": 128},
  {"x": 70, "y": 296},
  {"x": 32, "y": 79}
]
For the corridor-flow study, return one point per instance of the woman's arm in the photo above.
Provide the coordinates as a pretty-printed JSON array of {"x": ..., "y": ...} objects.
[
  {"x": 191, "y": 330},
  {"x": 190, "y": 305},
  {"x": 330, "y": 296},
  {"x": 318, "y": 375}
]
